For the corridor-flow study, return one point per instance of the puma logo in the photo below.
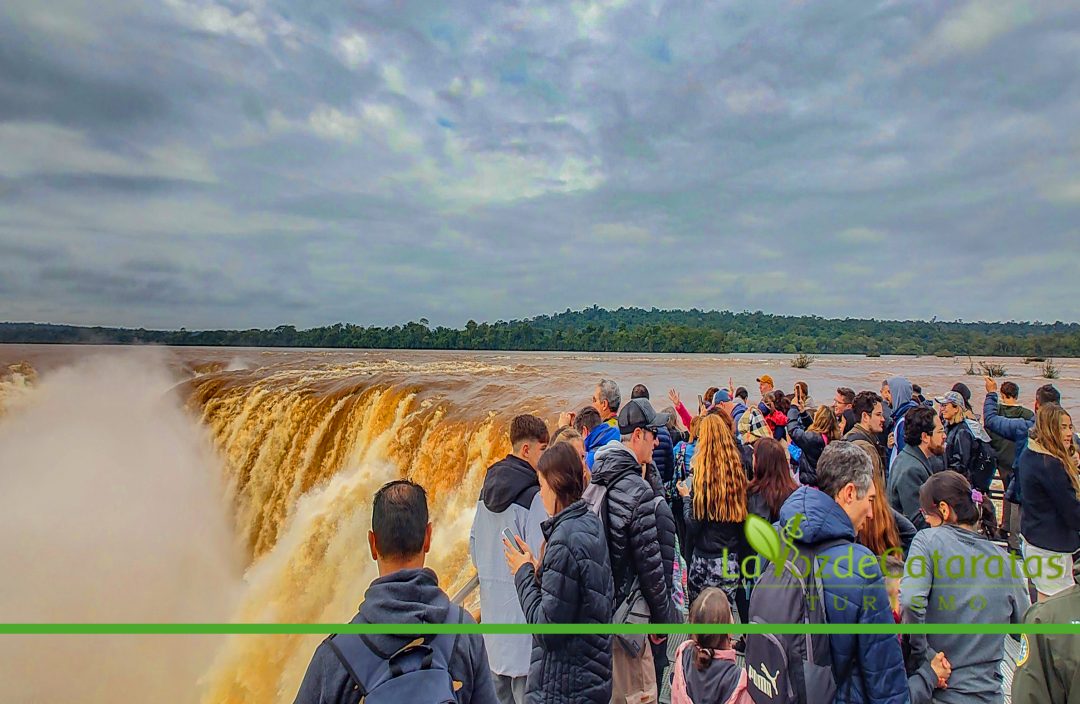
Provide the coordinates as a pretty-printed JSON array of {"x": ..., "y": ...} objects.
[{"x": 765, "y": 681}]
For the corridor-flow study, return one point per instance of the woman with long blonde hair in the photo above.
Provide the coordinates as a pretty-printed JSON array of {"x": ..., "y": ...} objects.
[
  {"x": 714, "y": 510},
  {"x": 1050, "y": 485}
]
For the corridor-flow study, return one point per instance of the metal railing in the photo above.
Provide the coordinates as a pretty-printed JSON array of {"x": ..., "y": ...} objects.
[{"x": 465, "y": 592}]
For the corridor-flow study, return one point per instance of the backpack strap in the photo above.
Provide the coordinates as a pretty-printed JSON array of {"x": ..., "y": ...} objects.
[
  {"x": 604, "y": 512},
  {"x": 355, "y": 657},
  {"x": 446, "y": 643},
  {"x": 819, "y": 588}
]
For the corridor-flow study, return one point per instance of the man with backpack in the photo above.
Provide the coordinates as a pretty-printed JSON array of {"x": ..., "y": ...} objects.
[
  {"x": 509, "y": 500},
  {"x": 382, "y": 669},
  {"x": 842, "y": 668},
  {"x": 641, "y": 540}
]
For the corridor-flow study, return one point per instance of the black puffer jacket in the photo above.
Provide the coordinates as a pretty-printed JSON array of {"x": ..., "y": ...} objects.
[
  {"x": 574, "y": 586},
  {"x": 663, "y": 455},
  {"x": 960, "y": 448},
  {"x": 640, "y": 530},
  {"x": 811, "y": 444}
]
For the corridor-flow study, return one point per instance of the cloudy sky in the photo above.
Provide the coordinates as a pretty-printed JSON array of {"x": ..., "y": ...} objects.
[{"x": 204, "y": 163}]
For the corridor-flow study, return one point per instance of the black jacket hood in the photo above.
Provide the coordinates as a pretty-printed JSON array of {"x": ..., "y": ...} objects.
[{"x": 511, "y": 480}]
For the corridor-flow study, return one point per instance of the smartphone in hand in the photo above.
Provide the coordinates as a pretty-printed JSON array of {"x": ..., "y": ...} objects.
[{"x": 508, "y": 534}]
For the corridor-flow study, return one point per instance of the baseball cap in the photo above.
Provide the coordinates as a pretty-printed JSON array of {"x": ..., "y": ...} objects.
[
  {"x": 952, "y": 397},
  {"x": 766, "y": 379},
  {"x": 962, "y": 389},
  {"x": 721, "y": 396},
  {"x": 639, "y": 413}
]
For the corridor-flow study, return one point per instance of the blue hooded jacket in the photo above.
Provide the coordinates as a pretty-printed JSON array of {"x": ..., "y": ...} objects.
[
  {"x": 869, "y": 669},
  {"x": 901, "y": 391},
  {"x": 663, "y": 455},
  {"x": 598, "y": 437},
  {"x": 1015, "y": 429}
]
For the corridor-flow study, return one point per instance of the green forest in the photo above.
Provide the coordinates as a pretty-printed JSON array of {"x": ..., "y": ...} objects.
[{"x": 624, "y": 330}]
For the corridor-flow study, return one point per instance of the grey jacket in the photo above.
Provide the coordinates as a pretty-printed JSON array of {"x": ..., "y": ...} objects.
[
  {"x": 510, "y": 499},
  {"x": 987, "y": 590},
  {"x": 910, "y": 470}
]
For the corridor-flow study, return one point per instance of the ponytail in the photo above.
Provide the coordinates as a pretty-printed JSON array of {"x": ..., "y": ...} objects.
[
  {"x": 970, "y": 506},
  {"x": 711, "y": 606},
  {"x": 702, "y": 656}
]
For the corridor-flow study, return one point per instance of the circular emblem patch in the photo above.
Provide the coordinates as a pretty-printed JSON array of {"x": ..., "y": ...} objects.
[{"x": 1024, "y": 651}]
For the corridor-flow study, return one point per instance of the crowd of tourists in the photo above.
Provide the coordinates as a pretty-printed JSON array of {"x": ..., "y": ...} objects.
[{"x": 628, "y": 515}]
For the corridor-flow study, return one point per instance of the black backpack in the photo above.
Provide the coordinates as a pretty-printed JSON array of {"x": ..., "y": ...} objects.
[
  {"x": 418, "y": 672},
  {"x": 790, "y": 669},
  {"x": 984, "y": 463},
  {"x": 633, "y": 608}
]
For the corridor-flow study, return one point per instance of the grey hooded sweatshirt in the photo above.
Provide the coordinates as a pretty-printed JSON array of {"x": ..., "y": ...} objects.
[
  {"x": 955, "y": 576},
  {"x": 510, "y": 499},
  {"x": 900, "y": 388}
]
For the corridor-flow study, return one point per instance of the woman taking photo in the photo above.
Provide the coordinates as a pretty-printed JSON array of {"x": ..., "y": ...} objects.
[
  {"x": 772, "y": 482},
  {"x": 811, "y": 437},
  {"x": 1050, "y": 485},
  {"x": 956, "y": 575},
  {"x": 571, "y": 583},
  {"x": 714, "y": 511}
]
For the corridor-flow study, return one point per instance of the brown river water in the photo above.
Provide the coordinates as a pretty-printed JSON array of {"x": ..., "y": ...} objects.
[{"x": 234, "y": 484}]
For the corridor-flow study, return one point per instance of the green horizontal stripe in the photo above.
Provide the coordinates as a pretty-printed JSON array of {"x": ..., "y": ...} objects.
[{"x": 518, "y": 629}]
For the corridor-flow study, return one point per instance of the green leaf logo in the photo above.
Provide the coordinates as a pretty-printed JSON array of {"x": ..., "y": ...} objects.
[{"x": 764, "y": 539}]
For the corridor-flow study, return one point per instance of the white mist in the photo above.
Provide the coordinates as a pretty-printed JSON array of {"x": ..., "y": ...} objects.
[{"x": 111, "y": 510}]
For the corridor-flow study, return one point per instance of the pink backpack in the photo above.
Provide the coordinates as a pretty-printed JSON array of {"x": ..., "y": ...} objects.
[{"x": 679, "y": 694}]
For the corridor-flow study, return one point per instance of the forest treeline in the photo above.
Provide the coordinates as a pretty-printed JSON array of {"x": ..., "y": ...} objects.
[{"x": 624, "y": 330}]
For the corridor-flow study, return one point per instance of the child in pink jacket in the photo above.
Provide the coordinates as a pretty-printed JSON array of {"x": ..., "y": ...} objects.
[{"x": 705, "y": 670}]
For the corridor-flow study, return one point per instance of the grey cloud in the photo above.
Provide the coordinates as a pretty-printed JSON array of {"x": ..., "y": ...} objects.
[
  {"x": 497, "y": 160},
  {"x": 34, "y": 86},
  {"x": 27, "y": 252}
]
